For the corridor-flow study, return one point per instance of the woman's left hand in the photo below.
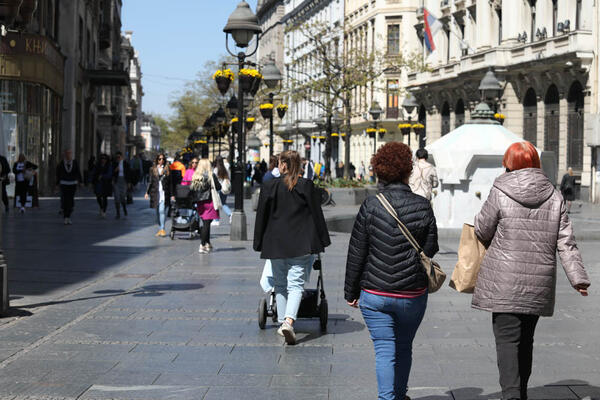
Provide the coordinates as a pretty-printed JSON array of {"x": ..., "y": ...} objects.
[{"x": 353, "y": 303}]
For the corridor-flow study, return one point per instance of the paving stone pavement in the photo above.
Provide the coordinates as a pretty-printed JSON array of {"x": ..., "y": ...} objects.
[{"x": 104, "y": 310}]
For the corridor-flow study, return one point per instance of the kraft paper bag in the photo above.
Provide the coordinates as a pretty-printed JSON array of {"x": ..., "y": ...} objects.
[{"x": 470, "y": 255}]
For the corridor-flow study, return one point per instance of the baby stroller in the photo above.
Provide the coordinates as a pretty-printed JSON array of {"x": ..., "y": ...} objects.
[
  {"x": 184, "y": 217},
  {"x": 312, "y": 305}
]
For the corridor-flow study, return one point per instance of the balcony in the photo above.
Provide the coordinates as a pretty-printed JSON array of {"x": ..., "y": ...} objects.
[
  {"x": 105, "y": 77},
  {"x": 104, "y": 36}
]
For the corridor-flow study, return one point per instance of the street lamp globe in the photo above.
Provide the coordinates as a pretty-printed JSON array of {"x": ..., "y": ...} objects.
[
  {"x": 271, "y": 75},
  {"x": 409, "y": 103},
  {"x": 375, "y": 111},
  {"x": 253, "y": 142},
  {"x": 490, "y": 87},
  {"x": 242, "y": 25},
  {"x": 232, "y": 105},
  {"x": 220, "y": 115}
]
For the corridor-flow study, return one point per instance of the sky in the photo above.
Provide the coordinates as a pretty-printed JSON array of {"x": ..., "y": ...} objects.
[{"x": 174, "y": 39}]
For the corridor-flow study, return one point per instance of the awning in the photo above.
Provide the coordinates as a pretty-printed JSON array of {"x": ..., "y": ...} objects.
[{"x": 106, "y": 77}]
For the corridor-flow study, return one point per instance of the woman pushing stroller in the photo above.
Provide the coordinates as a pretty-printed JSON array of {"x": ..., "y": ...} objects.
[
  {"x": 205, "y": 187},
  {"x": 290, "y": 230}
]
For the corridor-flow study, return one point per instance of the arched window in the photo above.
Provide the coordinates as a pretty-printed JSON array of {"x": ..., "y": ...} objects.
[
  {"x": 459, "y": 113},
  {"x": 445, "y": 118},
  {"x": 575, "y": 127},
  {"x": 423, "y": 121},
  {"x": 530, "y": 116},
  {"x": 551, "y": 121}
]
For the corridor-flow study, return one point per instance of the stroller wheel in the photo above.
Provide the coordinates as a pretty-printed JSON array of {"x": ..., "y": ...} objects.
[
  {"x": 323, "y": 314},
  {"x": 262, "y": 313},
  {"x": 274, "y": 316},
  {"x": 172, "y": 234}
]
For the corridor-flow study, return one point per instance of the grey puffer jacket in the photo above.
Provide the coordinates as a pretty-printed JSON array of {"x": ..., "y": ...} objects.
[{"x": 526, "y": 221}]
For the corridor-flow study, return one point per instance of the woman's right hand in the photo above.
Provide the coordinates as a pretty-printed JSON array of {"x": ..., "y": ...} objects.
[
  {"x": 353, "y": 303},
  {"x": 582, "y": 289},
  {"x": 146, "y": 196}
]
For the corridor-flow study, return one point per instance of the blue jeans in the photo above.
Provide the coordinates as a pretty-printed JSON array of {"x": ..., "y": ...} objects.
[
  {"x": 392, "y": 323},
  {"x": 160, "y": 215},
  {"x": 289, "y": 276},
  {"x": 225, "y": 207}
]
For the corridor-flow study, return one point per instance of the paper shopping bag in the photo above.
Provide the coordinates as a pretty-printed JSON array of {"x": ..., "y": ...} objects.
[{"x": 470, "y": 254}]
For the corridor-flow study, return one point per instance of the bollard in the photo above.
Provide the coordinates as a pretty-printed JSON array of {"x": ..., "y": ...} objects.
[{"x": 4, "y": 302}]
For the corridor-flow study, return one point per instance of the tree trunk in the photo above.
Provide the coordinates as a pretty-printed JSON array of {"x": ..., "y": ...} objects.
[
  {"x": 347, "y": 106},
  {"x": 328, "y": 148}
]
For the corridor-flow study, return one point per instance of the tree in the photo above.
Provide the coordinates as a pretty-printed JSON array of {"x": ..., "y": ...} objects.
[{"x": 335, "y": 73}]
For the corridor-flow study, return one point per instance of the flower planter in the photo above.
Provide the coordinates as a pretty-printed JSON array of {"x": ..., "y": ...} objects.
[
  {"x": 255, "y": 86},
  {"x": 223, "y": 84},
  {"x": 371, "y": 134},
  {"x": 246, "y": 82},
  {"x": 405, "y": 131},
  {"x": 381, "y": 135},
  {"x": 266, "y": 112},
  {"x": 249, "y": 125},
  {"x": 281, "y": 111}
]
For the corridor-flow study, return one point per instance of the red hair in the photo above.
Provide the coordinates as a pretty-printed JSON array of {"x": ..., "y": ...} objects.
[
  {"x": 521, "y": 155},
  {"x": 393, "y": 162}
]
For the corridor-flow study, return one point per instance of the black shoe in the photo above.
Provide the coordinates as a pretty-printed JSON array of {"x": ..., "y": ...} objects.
[
  {"x": 118, "y": 216},
  {"x": 124, "y": 210}
]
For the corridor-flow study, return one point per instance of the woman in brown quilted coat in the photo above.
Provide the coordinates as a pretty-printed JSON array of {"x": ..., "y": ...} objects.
[{"x": 525, "y": 222}]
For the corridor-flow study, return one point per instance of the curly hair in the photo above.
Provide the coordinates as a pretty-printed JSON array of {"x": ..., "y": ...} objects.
[{"x": 393, "y": 162}]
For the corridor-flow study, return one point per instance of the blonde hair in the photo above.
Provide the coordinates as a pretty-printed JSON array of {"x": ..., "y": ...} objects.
[{"x": 203, "y": 169}]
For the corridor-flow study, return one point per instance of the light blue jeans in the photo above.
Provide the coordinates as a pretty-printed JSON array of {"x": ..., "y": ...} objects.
[
  {"x": 290, "y": 275},
  {"x": 160, "y": 215},
  {"x": 225, "y": 207},
  {"x": 392, "y": 323}
]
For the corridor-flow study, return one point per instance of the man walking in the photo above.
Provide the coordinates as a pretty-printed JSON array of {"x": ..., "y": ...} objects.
[
  {"x": 121, "y": 178},
  {"x": 68, "y": 177},
  {"x": 423, "y": 178}
]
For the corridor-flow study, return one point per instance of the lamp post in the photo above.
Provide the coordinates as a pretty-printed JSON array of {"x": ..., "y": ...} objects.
[
  {"x": 490, "y": 90},
  {"x": 243, "y": 27},
  {"x": 409, "y": 104},
  {"x": 272, "y": 77},
  {"x": 375, "y": 112},
  {"x": 232, "y": 109}
]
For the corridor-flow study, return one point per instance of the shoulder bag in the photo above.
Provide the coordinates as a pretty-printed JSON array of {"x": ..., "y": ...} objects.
[
  {"x": 435, "y": 275},
  {"x": 216, "y": 199}
]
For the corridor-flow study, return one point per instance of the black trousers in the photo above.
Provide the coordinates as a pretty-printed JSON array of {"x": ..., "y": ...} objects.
[
  {"x": 4, "y": 196},
  {"x": 514, "y": 348},
  {"x": 68, "y": 199},
  {"x": 102, "y": 201},
  {"x": 205, "y": 231},
  {"x": 21, "y": 192}
]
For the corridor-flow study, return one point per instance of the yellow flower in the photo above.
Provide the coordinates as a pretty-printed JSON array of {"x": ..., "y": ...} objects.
[
  {"x": 283, "y": 106},
  {"x": 266, "y": 106},
  {"x": 369, "y": 130},
  {"x": 322, "y": 137},
  {"x": 250, "y": 119},
  {"x": 313, "y": 137},
  {"x": 234, "y": 120},
  {"x": 418, "y": 126},
  {"x": 251, "y": 72},
  {"x": 382, "y": 130},
  {"x": 224, "y": 73},
  {"x": 335, "y": 134},
  {"x": 404, "y": 126}
]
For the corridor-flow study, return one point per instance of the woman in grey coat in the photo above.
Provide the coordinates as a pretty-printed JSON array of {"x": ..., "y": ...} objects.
[{"x": 525, "y": 222}]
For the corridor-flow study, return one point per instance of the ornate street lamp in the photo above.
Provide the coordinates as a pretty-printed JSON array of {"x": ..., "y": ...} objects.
[
  {"x": 409, "y": 104},
  {"x": 490, "y": 91},
  {"x": 272, "y": 78},
  {"x": 243, "y": 26},
  {"x": 375, "y": 112}
]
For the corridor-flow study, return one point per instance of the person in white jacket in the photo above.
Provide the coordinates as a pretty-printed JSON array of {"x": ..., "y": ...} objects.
[{"x": 424, "y": 177}]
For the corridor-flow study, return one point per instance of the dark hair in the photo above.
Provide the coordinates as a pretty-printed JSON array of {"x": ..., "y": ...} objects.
[
  {"x": 292, "y": 160},
  {"x": 221, "y": 170},
  {"x": 273, "y": 160},
  {"x": 166, "y": 165},
  {"x": 118, "y": 153},
  {"x": 393, "y": 162},
  {"x": 422, "y": 154}
]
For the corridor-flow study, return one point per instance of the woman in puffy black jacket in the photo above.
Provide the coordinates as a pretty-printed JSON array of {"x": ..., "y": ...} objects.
[{"x": 384, "y": 274}]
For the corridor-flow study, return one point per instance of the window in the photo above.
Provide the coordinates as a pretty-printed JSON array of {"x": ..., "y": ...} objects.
[
  {"x": 447, "y": 31},
  {"x": 393, "y": 39},
  {"x": 499, "y": 16},
  {"x": 578, "y": 15},
  {"x": 392, "y": 99},
  {"x": 533, "y": 19},
  {"x": 80, "y": 38},
  {"x": 554, "y": 16}
]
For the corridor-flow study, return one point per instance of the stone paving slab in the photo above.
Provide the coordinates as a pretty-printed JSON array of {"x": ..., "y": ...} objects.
[{"x": 131, "y": 316}]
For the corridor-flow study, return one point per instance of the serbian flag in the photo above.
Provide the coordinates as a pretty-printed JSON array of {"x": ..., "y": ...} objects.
[{"x": 432, "y": 26}]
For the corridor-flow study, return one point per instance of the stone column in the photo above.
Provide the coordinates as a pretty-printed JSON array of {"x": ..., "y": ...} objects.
[
  {"x": 562, "y": 141},
  {"x": 512, "y": 23},
  {"x": 434, "y": 126},
  {"x": 484, "y": 25},
  {"x": 541, "y": 112},
  {"x": 513, "y": 111}
]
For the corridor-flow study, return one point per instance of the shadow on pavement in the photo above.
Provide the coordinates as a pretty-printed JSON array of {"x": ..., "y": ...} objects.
[{"x": 566, "y": 389}]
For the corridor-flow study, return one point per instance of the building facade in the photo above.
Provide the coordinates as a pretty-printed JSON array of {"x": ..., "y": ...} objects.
[
  {"x": 545, "y": 56},
  {"x": 150, "y": 132}
]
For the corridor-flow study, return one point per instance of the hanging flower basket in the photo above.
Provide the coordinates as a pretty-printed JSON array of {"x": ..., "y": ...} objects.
[
  {"x": 322, "y": 139},
  {"x": 343, "y": 135},
  {"x": 223, "y": 78},
  {"x": 234, "y": 125},
  {"x": 335, "y": 135},
  {"x": 405, "y": 128},
  {"x": 418, "y": 128},
  {"x": 500, "y": 118},
  {"x": 371, "y": 132},
  {"x": 382, "y": 133},
  {"x": 250, "y": 123},
  {"x": 248, "y": 78},
  {"x": 266, "y": 110},
  {"x": 281, "y": 110}
]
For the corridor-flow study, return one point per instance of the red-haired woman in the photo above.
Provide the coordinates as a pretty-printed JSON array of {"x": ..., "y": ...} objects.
[
  {"x": 524, "y": 220},
  {"x": 384, "y": 274},
  {"x": 290, "y": 230}
]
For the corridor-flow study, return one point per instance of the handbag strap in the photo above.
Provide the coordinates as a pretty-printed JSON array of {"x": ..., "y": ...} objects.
[{"x": 388, "y": 207}]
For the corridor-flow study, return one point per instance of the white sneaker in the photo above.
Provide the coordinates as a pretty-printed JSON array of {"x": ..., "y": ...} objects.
[
  {"x": 280, "y": 331},
  {"x": 288, "y": 333},
  {"x": 66, "y": 221},
  {"x": 103, "y": 215},
  {"x": 69, "y": 221},
  {"x": 208, "y": 247},
  {"x": 215, "y": 222},
  {"x": 22, "y": 210},
  {"x": 202, "y": 250},
  {"x": 230, "y": 218}
]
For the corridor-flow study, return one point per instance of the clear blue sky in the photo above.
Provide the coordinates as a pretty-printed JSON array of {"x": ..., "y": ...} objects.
[{"x": 174, "y": 40}]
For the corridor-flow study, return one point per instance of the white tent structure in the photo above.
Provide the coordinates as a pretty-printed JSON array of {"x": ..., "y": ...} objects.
[{"x": 467, "y": 161}]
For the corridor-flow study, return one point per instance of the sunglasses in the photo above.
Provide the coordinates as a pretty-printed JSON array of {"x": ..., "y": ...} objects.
[{"x": 161, "y": 159}]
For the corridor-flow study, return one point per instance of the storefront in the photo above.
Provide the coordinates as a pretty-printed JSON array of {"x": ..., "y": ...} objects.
[{"x": 31, "y": 87}]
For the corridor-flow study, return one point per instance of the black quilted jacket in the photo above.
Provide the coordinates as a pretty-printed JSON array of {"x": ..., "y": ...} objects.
[{"x": 379, "y": 256}]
